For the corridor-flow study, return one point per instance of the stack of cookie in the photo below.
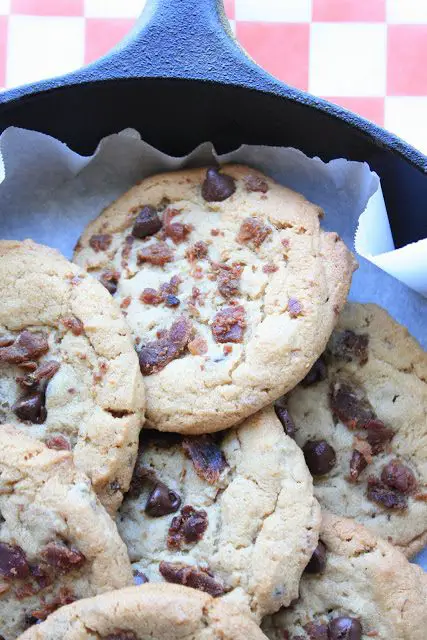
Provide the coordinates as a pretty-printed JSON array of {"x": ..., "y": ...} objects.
[{"x": 193, "y": 409}]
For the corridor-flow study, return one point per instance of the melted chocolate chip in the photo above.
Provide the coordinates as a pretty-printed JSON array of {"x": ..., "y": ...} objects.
[
  {"x": 187, "y": 528},
  {"x": 61, "y": 557},
  {"x": 317, "y": 563},
  {"x": 154, "y": 356},
  {"x": 350, "y": 405},
  {"x": 383, "y": 495},
  {"x": 347, "y": 345},
  {"x": 40, "y": 376},
  {"x": 191, "y": 577},
  {"x": 319, "y": 456},
  {"x": 206, "y": 456},
  {"x": 147, "y": 223},
  {"x": 358, "y": 463},
  {"x": 31, "y": 408},
  {"x": 281, "y": 409},
  {"x": 398, "y": 476},
  {"x": 13, "y": 561},
  {"x": 317, "y": 373},
  {"x": 110, "y": 280},
  {"x": 217, "y": 186},
  {"x": 162, "y": 501},
  {"x": 345, "y": 628}
]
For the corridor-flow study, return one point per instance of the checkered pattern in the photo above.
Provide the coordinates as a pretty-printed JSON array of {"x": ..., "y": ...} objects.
[{"x": 367, "y": 55}]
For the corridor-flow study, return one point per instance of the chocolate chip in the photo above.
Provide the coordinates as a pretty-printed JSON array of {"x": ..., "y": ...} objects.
[
  {"x": 139, "y": 577},
  {"x": 316, "y": 631},
  {"x": 319, "y": 456},
  {"x": 398, "y": 476},
  {"x": 217, "y": 186},
  {"x": 172, "y": 301},
  {"x": 41, "y": 375},
  {"x": 191, "y": 577},
  {"x": 100, "y": 242},
  {"x": 120, "y": 634},
  {"x": 345, "y": 628},
  {"x": 110, "y": 280},
  {"x": 385, "y": 496},
  {"x": 162, "y": 501},
  {"x": 27, "y": 346},
  {"x": 147, "y": 223},
  {"x": 350, "y": 404},
  {"x": 378, "y": 435},
  {"x": 358, "y": 463},
  {"x": 31, "y": 408},
  {"x": 206, "y": 456},
  {"x": 64, "y": 597},
  {"x": 317, "y": 563},
  {"x": 317, "y": 373},
  {"x": 13, "y": 561},
  {"x": 187, "y": 528},
  {"x": 154, "y": 356},
  {"x": 347, "y": 345},
  {"x": 281, "y": 409},
  {"x": 228, "y": 324},
  {"x": 61, "y": 557}
]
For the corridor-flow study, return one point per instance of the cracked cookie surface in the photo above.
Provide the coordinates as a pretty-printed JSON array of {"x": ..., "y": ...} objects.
[
  {"x": 365, "y": 588},
  {"x": 57, "y": 542},
  {"x": 361, "y": 419},
  {"x": 69, "y": 375},
  {"x": 230, "y": 287},
  {"x": 157, "y": 611},
  {"x": 234, "y": 517}
]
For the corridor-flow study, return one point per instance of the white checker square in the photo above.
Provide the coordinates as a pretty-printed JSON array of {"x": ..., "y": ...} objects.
[
  {"x": 407, "y": 11},
  {"x": 114, "y": 8},
  {"x": 4, "y": 7},
  {"x": 348, "y": 59},
  {"x": 273, "y": 10},
  {"x": 42, "y": 47},
  {"x": 406, "y": 116}
]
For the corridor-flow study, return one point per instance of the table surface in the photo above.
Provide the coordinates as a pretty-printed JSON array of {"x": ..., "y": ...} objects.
[{"x": 379, "y": 72}]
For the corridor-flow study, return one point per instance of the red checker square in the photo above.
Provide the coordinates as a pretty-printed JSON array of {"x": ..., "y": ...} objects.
[
  {"x": 369, "y": 108},
  {"x": 406, "y": 60},
  {"x": 48, "y": 7},
  {"x": 103, "y": 34},
  {"x": 3, "y": 49},
  {"x": 229, "y": 8},
  {"x": 282, "y": 49},
  {"x": 349, "y": 10}
]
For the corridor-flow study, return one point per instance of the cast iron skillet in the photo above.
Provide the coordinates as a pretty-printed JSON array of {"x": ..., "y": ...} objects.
[{"x": 181, "y": 79}]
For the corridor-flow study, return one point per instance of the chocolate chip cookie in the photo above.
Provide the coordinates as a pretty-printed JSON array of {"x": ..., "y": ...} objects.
[
  {"x": 361, "y": 419},
  {"x": 234, "y": 517},
  {"x": 355, "y": 587},
  {"x": 230, "y": 287},
  {"x": 57, "y": 542},
  {"x": 158, "y": 611},
  {"x": 69, "y": 374}
]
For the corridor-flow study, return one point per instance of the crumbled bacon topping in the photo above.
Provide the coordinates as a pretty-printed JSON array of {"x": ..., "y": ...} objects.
[
  {"x": 197, "y": 251},
  {"x": 154, "y": 356},
  {"x": 27, "y": 346},
  {"x": 75, "y": 325},
  {"x": 110, "y": 280},
  {"x": 177, "y": 231},
  {"x": 255, "y": 183},
  {"x": 198, "y": 346},
  {"x": 254, "y": 231},
  {"x": 187, "y": 528},
  {"x": 295, "y": 308},
  {"x": 166, "y": 293},
  {"x": 157, "y": 253},
  {"x": 228, "y": 324},
  {"x": 270, "y": 268},
  {"x": 100, "y": 242},
  {"x": 190, "y": 576},
  {"x": 206, "y": 456},
  {"x": 228, "y": 278}
]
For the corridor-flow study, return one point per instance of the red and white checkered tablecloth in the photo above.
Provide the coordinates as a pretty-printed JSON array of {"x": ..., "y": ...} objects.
[{"x": 368, "y": 55}]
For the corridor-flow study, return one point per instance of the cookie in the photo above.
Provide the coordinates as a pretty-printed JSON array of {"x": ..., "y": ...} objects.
[
  {"x": 158, "y": 611},
  {"x": 230, "y": 287},
  {"x": 69, "y": 375},
  {"x": 356, "y": 587},
  {"x": 57, "y": 542},
  {"x": 234, "y": 517},
  {"x": 361, "y": 420}
]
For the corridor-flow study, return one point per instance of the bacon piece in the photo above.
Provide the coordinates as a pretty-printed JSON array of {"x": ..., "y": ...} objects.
[
  {"x": 154, "y": 356},
  {"x": 100, "y": 242},
  {"x": 206, "y": 456},
  {"x": 27, "y": 346},
  {"x": 253, "y": 231},
  {"x": 228, "y": 324},
  {"x": 157, "y": 253}
]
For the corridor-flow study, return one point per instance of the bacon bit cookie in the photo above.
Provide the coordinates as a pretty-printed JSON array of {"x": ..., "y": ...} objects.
[
  {"x": 356, "y": 587},
  {"x": 269, "y": 283},
  {"x": 158, "y": 611},
  {"x": 69, "y": 375},
  {"x": 233, "y": 517},
  {"x": 360, "y": 417},
  {"x": 57, "y": 542}
]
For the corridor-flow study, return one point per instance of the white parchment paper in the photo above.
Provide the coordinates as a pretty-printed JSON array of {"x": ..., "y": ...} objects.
[{"x": 49, "y": 193}]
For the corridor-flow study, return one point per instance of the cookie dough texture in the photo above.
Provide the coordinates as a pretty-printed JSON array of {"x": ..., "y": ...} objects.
[
  {"x": 292, "y": 284},
  {"x": 262, "y": 519},
  {"x": 96, "y": 398},
  {"x": 45, "y": 503},
  {"x": 155, "y": 611},
  {"x": 394, "y": 380},
  {"x": 365, "y": 578}
]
